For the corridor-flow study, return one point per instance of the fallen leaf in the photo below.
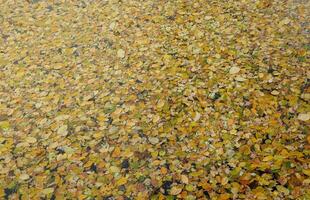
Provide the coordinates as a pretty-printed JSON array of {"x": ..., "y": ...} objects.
[
  {"x": 62, "y": 130},
  {"x": 175, "y": 190},
  {"x": 24, "y": 177},
  {"x": 304, "y": 116},
  {"x": 234, "y": 70},
  {"x": 120, "y": 53}
]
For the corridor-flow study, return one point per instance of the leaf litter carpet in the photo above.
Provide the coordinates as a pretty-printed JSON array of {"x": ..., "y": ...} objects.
[{"x": 167, "y": 99}]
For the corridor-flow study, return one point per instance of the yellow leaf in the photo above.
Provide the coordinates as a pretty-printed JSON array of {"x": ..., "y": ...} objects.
[
  {"x": 184, "y": 179},
  {"x": 48, "y": 191},
  {"x": 121, "y": 181},
  {"x": 121, "y": 53},
  {"x": 116, "y": 152},
  {"x": 268, "y": 158},
  {"x": 31, "y": 140},
  {"x": 306, "y": 171},
  {"x": 4, "y": 125},
  {"x": 88, "y": 164},
  {"x": 2, "y": 192},
  {"x": 163, "y": 170},
  {"x": 24, "y": 177},
  {"x": 154, "y": 154},
  {"x": 97, "y": 135},
  {"x": 156, "y": 118},
  {"x": 101, "y": 118},
  {"x": 160, "y": 104},
  {"x": 114, "y": 169},
  {"x": 224, "y": 196},
  {"x": 175, "y": 190},
  {"x": 197, "y": 173},
  {"x": 62, "y": 130}
]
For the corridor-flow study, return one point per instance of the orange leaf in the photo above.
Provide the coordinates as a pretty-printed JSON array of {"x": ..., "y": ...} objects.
[{"x": 116, "y": 152}]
